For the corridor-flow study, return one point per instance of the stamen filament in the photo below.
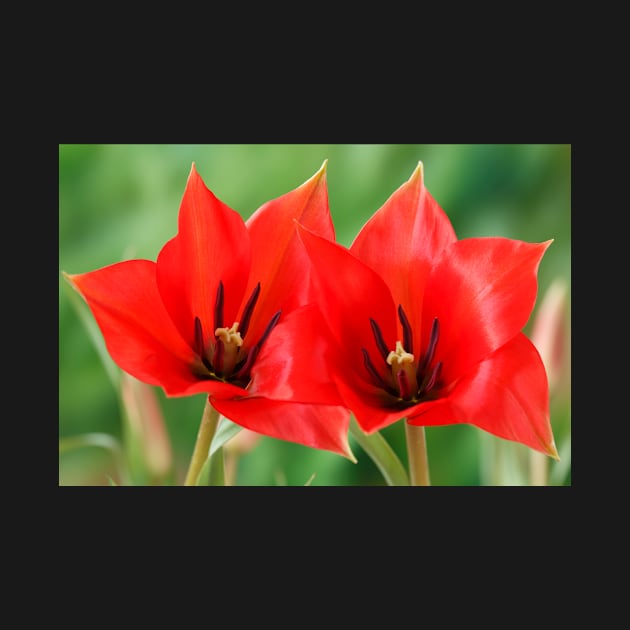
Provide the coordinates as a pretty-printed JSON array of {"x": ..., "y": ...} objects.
[
  {"x": 217, "y": 362},
  {"x": 369, "y": 366},
  {"x": 433, "y": 339},
  {"x": 407, "y": 334},
  {"x": 253, "y": 353},
  {"x": 378, "y": 338},
  {"x": 435, "y": 373},
  {"x": 249, "y": 309},
  {"x": 218, "y": 307},
  {"x": 378, "y": 380},
  {"x": 404, "y": 386}
]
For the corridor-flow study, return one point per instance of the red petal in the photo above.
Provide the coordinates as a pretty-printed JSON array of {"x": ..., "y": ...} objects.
[
  {"x": 297, "y": 361},
  {"x": 371, "y": 406},
  {"x": 138, "y": 332},
  {"x": 212, "y": 245},
  {"x": 507, "y": 395},
  {"x": 349, "y": 293},
  {"x": 279, "y": 261},
  {"x": 401, "y": 241},
  {"x": 323, "y": 427},
  {"x": 482, "y": 290}
]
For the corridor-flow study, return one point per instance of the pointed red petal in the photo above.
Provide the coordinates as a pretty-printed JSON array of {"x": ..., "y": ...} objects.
[
  {"x": 482, "y": 291},
  {"x": 401, "y": 241},
  {"x": 323, "y": 427},
  {"x": 279, "y": 261},
  {"x": 349, "y": 293},
  {"x": 507, "y": 395},
  {"x": 212, "y": 245},
  {"x": 138, "y": 332}
]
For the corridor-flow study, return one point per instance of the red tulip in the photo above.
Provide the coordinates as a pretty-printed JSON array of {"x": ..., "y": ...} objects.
[
  {"x": 428, "y": 327},
  {"x": 224, "y": 311}
]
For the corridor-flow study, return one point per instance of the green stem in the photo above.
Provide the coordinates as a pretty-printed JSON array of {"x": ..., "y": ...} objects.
[
  {"x": 538, "y": 473},
  {"x": 381, "y": 454},
  {"x": 417, "y": 453},
  {"x": 207, "y": 428}
]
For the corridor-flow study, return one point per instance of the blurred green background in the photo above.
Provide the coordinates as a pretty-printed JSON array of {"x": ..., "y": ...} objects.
[{"x": 122, "y": 201}]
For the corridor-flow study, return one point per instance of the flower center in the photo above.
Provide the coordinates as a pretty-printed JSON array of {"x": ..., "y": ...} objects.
[
  {"x": 223, "y": 356},
  {"x": 409, "y": 381},
  {"x": 403, "y": 370}
]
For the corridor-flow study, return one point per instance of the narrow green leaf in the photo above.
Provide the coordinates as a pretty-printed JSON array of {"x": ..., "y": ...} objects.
[
  {"x": 89, "y": 439},
  {"x": 310, "y": 480},
  {"x": 226, "y": 431},
  {"x": 382, "y": 454},
  {"x": 560, "y": 470},
  {"x": 212, "y": 472},
  {"x": 101, "y": 440}
]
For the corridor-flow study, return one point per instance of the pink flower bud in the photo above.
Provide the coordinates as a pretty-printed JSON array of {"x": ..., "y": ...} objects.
[{"x": 549, "y": 330}]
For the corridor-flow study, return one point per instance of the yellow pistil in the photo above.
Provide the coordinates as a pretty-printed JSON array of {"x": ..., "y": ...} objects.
[
  {"x": 399, "y": 356},
  {"x": 229, "y": 335},
  {"x": 400, "y": 359},
  {"x": 232, "y": 341}
]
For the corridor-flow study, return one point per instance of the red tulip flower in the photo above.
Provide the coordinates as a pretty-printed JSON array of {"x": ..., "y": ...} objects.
[
  {"x": 428, "y": 327},
  {"x": 224, "y": 311}
]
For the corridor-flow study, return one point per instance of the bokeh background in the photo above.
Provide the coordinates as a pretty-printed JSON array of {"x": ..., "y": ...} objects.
[{"x": 121, "y": 201}]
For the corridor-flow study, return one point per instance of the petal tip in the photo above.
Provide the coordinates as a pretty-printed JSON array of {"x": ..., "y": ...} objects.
[
  {"x": 348, "y": 454},
  {"x": 69, "y": 278},
  {"x": 552, "y": 451},
  {"x": 321, "y": 173},
  {"x": 418, "y": 174}
]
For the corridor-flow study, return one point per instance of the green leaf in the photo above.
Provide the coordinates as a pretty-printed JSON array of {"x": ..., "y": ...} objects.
[
  {"x": 560, "y": 470},
  {"x": 101, "y": 440},
  {"x": 310, "y": 480},
  {"x": 212, "y": 472},
  {"x": 382, "y": 454},
  {"x": 226, "y": 431}
]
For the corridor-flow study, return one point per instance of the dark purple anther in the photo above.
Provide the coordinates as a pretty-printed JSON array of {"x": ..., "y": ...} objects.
[
  {"x": 407, "y": 334},
  {"x": 378, "y": 337},
  {"x": 218, "y": 307},
  {"x": 248, "y": 310}
]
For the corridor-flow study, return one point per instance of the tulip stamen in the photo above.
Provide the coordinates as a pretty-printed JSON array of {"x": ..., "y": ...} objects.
[
  {"x": 404, "y": 386},
  {"x": 378, "y": 380},
  {"x": 228, "y": 341},
  {"x": 407, "y": 334},
  {"x": 200, "y": 347},
  {"x": 378, "y": 338},
  {"x": 433, "y": 339},
  {"x": 402, "y": 361},
  {"x": 225, "y": 358},
  {"x": 243, "y": 372},
  {"x": 410, "y": 382},
  {"x": 218, "y": 307},
  {"x": 249, "y": 309}
]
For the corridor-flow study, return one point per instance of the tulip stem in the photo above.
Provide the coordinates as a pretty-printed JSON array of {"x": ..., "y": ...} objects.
[
  {"x": 382, "y": 454},
  {"x": 537, "y": 468},
  {"x": 207, "y": 429},
  {"x": 417, "y": 453}
]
